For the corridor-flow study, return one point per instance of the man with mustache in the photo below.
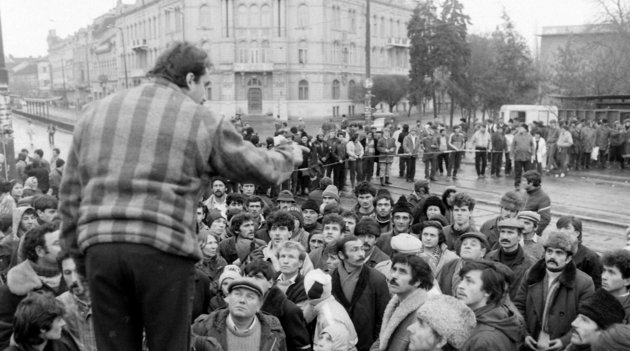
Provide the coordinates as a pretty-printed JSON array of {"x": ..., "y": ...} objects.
[
  {"x": 411, "y": 279},
  {"x": 550, "y": 294},
  {"x": 511, "y": 203},
  {"x": 367, "y": 230},
  {"x": 361, "y": 290},
  {"x": 77, "y": 301},
  {"x": 511, "y": 253},
  {"x": 218, "y": 199}
]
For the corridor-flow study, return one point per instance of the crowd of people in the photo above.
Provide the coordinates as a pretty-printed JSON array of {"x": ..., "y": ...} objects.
[{"x": 184, "y": 234}]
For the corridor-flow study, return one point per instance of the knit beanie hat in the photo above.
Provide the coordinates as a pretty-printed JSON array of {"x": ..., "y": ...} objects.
[
  {"x": 325, "y": 182},
  {"x": 317, "y": 284},
  {"x": 402, "y": 205},
  {"x": 406, "y": 244},
  {"x": 449, "y": 318},
  {"x": 512, "y": 201},
  {"x": 367, "y": 226},
  {"x": 331, "y": 191},
  {"x": 562, "y": 241},
  {"x": 615, "y": 338},
  {"x": 602, "y": 308},
  {"x": 433, "y": 201},
  {"x": 229, "y": 271},
  {"x": 439, "y": 218},
  {"x": 310, "y": 204}
]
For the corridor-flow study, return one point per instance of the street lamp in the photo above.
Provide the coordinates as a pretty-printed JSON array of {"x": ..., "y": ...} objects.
[{"x": 122, "y": 41}]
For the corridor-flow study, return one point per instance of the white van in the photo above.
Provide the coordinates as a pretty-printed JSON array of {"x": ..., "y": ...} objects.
[{"x": 529, "y": 113}]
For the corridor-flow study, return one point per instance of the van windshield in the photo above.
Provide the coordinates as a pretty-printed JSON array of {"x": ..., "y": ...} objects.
[{"x": 518, "y": 116}]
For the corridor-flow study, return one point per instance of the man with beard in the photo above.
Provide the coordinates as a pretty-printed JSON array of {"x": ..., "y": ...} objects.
[
  {"x": 235, "y": 249},
  {"x": 616, "y": 277},
  {"x": 585, "y": 259},
  {"x": 474, "y": 246},
  {"x": 77, "y": 302},
  {"x": 218, "y": 199},
  {"x": 463, "y": 206},
  {"x": 482, "y": 288},
  {"x": 596, "y": 314},
  {"x": 361, "y": 290},
  {"x": 310, "y": 213},
  {"x": 410, "y": 283},
  {"x": 511, "y": 253},
  {"x": 365, "y": 193},
  {"x": 550, "y": 294},
  {"x": 402, "y": 220},
  {"x": 511, "y": 203},
  {"x": 367, "y": 230},
  {"x": 384, "y": 203}
]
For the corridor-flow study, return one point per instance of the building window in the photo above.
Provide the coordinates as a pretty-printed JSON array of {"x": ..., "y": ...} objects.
[
  {"x": 302, "y": 56},
  {"x": 264, "y": 52},
  {"x": 335, "y": 90},
  {"x": 254, "y": 16},
  {"x": 242, "y": 16},
  {"x": 336, "y": 52},
  {"x": 204, "y": 16},
  {"x": 345, "y": 56},
  {"x": 353, "y": 20},
  {"x": 303, "y": 16},
  {"x": 352, "y": 87},
  {"x": 303, "y": 90},
  {"x": 266, "y": 18}
]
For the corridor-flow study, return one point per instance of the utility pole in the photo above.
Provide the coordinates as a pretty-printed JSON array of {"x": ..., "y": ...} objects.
[
  {"x": 368, "y": 75},
  {"x": 6, "y": 119}
]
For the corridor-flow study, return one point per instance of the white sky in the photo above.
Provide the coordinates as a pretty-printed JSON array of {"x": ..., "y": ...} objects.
[{"x": 25, "y": 23}]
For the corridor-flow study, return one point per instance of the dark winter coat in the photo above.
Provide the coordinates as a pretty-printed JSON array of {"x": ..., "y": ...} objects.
[
  {"x": 588, "y": 262},
  {"x": 575, "y": 287},
  {"x": 202, "y": 296},
  {"x": 520, "y": 266},
  {"x": 215, "y": 325},
  {"x": 538, "y": 201},
  {"x": 491, "y": 229},
  {"x": 296, "y": 292},
  {"x": 291, "y": 318},
  {"x": 497, "y": 329},
  {"x": 66, "y": 343},
  {"x": 367, "y": 306}
]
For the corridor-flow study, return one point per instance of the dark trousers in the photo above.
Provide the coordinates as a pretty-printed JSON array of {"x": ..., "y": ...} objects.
[
  {"x": 411, "y": 167},
  {"x": 135, "y": 287},
  {"x": 616, "y": 155},
  {"x": 585, "y": 160},
  {"x": 495, "y": 164},
  {"x": 508, "y": 163},
  {"x": 402, "y": 163},
  {"x": 430, "y": 165},
  {"x": 51, "y": 139},
  {"x": 481, "y": 160},
  {"x": 519, "y": 168},
  {"x": 368, "y": 168},
  {"x": 442, "y": 158},
  {"x": 339, "y": 175},
  {"x": 603, "y": 157},
  {"x": 455, "y": 161}
]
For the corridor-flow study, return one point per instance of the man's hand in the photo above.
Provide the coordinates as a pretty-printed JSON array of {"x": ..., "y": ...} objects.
[
  {"x": 531, "y": 343},
  {"x": 555, "y": 344}
]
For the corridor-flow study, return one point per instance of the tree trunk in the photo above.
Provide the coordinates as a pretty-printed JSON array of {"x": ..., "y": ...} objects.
[
  {"x": 435, "y": 104},
  {"x": 452, "y": 109}
]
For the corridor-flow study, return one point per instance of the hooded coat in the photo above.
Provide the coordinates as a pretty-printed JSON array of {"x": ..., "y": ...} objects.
[
  {"x": 497, "y": 329},
  {"x": 398, "y": 316},
  {"x": 331, "y": 313},
  {"x": 575, "y": 286},
  {"x": 215, "y": 325},
  {"x": 290, "y": 317}
]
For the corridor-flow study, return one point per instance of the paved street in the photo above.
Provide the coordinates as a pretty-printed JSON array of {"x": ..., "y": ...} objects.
[{"x": 603, "y": 203}]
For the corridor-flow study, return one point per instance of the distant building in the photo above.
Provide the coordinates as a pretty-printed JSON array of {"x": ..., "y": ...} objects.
[{"x": 584, "y": 36}]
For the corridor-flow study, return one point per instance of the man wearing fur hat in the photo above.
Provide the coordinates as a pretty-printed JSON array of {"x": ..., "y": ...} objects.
[
  {"x": 361, "y": 290},
  {"x": 310, "y": 213},
  {"x": 585, "y": 259},
  {"x": 440, "y": 321},
  {"x": 511, "y": 203},
  {"x": 596, "y": 314},
  {"x": 367, "y": 230},
  {"x": 326, "y": 309},
  {"x": 482, "y": 289},
  {"x": 511, "y": 253},
  {"x": 411, "y": 279},
  {"x": 402, "y": 219},
  {"x": 530, "y": 243},
  {"x": 551, "y": 292}
]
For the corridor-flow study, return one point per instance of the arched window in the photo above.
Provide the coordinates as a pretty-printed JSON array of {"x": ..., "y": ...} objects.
[
  {"x": 242, "y": 16},
  {"x": 266, "y": 18},
  {"x": 264, "y": 51},
  {"x": 345, "y": 56},
  {"x": 303, "y": 90},
  {"x": 335, "y": 90},
  {"x": 254, "y": 50},
  {"x": 204, "y": 16},
  {"x": 303, "y": 16},
  {"x": 353, "y": 52},
  {"x": 254, "y": 16},
  {"x": 302, "y": 52},
  {"x": 336, "y": 52},
  {"x": 352, "y": 87},
  {"x": 243, "y": 52}
]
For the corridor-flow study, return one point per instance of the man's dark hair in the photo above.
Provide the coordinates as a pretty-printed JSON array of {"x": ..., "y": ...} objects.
[
  {"x": 382, "y": 196},
  {"x": 44, "y": 202},
  {"x": 221, "y": 179},
  {"x": 236, "y": 197},
  {"x": 39, "y": 152},
  {"x": 418, "y": 186},
  {"x": 533, "y": 177},
  {"x": 341, "y": 243},
  {"x": 255, "y": 198},
  {"x": 238, "y": 220},
  {"x": 463, "y": 200},
  {"x": 619, "y": 259},
  {"x": 364, "y": 188},
  {"x": 77, "y": 257},
  {"x": 35, "y": 238},
  {"x": 281, "y": 219},
  {"x": 260, "y": 266},
  {"x": 333, "y": 218},
  {"x": 35, "y": 313},
  {"x": 420, "y": 269},
  {"x": 57, "y": 150},
  {"x": 493, "y": 281},
  {"x": 437, "y": 225},
  {"x": 179, "y": 60},
  {"x": 21, "y": 156},
  {"x": 575, "y": 222},
  {"x": 349, "y": 214}
]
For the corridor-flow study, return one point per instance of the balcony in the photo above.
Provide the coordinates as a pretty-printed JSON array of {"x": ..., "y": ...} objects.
[
  {"x": 139, "y": 45},
  {"x": 253, "y": 67},
  {"x": 399, "y": 42}
]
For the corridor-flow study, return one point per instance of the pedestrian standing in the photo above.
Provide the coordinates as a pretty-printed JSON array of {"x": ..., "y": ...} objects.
[
  {"x": 539, "y": 157},
  {"x": 553, "y": 133},
  {"x": 30, "y": 131},
  {"x": 565, "y": 141},
  {"x": 456, "y": 146},
  {"x": 481, "y": 143},
  {"x": 51, "y": 134},
  {"x": 430, "y": 153},
  {"x": 139, "y": 183},
  {"x": 402, "y": 159},
  {"x": 411, "y": 146},
  {"x": 443, "y": 152},
  {"x": 386, "y": 148},
  {"x": 522, "y": 152},
  {"x": 497, "y": 148}
]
